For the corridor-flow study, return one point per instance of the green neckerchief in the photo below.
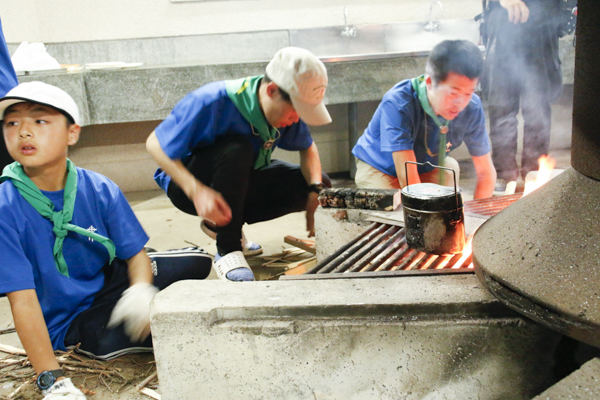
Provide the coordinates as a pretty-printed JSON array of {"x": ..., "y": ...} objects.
[
  {"x": 243, "y": 93},
  {"x": 60, "y": 219},
  {"x": 420, "y": 86}
]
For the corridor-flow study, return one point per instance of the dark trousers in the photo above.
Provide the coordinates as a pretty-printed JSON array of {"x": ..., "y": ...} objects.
[
  {"x": 522, "y": 71},
  {"x": 227, "y": 166},
  {"x": 89, "y": 328}
]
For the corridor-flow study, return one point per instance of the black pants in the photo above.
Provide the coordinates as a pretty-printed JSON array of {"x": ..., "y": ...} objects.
[
  {"x": 522, "y": 71},
  {"x": 253, "y": 195},
  {"x": 90, "y": 327}
]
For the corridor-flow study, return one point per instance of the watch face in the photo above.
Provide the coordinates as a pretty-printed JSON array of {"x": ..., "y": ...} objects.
[{"x": 45, "y": 380}]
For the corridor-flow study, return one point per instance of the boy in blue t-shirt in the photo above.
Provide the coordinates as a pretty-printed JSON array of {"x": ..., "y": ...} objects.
[
  {"x": 423, "y": 119},
  {"x": 74, "y": 267}
]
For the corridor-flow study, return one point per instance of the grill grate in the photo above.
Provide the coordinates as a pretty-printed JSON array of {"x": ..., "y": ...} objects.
[
  {"x": 381, "y": 251},
  {"x": 491, "y": 206}
]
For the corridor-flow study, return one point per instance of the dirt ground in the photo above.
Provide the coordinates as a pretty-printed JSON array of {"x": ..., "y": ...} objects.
[{"x": 116, "y": 379}]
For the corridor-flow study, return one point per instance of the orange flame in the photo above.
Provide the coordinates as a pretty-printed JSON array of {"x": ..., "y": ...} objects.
[
  {"x": 547, "y": 164},
  {"x": 466, "y": 253}
]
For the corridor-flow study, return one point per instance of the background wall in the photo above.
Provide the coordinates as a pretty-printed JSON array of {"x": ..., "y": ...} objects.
[{"x": 52, "y": 21}]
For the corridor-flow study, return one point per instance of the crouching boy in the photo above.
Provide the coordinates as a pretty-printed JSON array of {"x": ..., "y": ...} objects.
[{"x": 73, "y": 265}]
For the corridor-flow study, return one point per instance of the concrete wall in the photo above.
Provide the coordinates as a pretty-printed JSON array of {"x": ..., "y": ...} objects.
[
  {"x": 81, "y": 20},
  {"x": 347, "y": 339}
]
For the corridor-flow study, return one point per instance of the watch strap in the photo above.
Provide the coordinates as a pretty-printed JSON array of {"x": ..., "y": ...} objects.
[{"x": 316, "y": 187}]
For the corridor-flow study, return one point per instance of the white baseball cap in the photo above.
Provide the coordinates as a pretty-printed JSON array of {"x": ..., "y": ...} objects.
[
  {"x": 41, "y": 93},
  {"x": 304, "y": 77}
]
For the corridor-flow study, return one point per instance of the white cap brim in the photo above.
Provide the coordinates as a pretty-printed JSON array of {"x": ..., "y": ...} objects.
[
  {"x": 41, "y": 93},
  {"x": 314, "y": 115},
  {"x": 7, "y": 102}
]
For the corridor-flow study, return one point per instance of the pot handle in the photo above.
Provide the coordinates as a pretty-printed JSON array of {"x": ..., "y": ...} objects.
[{"x": 434, "y": 166}]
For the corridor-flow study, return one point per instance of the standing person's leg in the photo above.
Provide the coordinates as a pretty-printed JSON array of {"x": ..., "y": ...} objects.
[
  {"x": 502, "y": 71},
  {"x": 542, "y": 84},
  {"x": 503, "y": 109},
  {"x": 537, "y": 116},
  {"x": 90, "y": 328},
  {"x": 277, "y": 190}
]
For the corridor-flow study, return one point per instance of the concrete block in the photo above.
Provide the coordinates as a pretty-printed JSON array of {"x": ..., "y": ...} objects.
[
  {"x": 582, "y": 384},
  {"x": 402, "y": 338},
  {"x": 336, "y": 227}
]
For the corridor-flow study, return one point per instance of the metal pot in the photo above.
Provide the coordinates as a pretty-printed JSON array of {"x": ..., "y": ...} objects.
[{"x": 433, "y": 216}]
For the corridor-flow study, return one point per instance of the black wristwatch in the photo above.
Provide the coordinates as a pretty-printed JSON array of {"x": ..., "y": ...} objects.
[
  {"x": 316, "y": 187},
  {"x": 47, "y": 378}
]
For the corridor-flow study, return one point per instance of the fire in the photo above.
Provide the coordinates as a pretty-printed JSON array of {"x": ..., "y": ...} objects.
[
  {"x": 547, "y": 164},
  {"x": 466, "y": 253}
]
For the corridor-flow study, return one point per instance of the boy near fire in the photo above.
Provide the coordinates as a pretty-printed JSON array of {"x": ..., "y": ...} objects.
[
  {"x": 74, "y": 266},
  {"x": 418, "y": 114}
]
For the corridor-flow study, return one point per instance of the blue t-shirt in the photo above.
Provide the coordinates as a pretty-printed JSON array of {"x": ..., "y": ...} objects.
[
  {"x": 8, "y": 77},
  {"x": 399, "y": 124},
  {"x": 207, "y": 113},
  {"x": 27, "y": 240}
]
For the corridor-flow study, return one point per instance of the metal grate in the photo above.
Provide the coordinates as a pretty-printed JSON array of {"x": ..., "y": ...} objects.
[
  {"x": 381, "y": 251},
  {"x": 491, "y": 206}
]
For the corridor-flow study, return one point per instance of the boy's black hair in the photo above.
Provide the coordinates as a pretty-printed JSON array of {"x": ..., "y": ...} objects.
[
  {"x": 459, "y": 56},
  {"x": 70, "y": 120},
  {"x": 284, "y": 95}
]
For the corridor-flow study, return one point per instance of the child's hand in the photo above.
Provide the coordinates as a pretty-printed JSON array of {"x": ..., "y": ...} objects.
[
  {"x": 133, "y": 309},
  {"x": 63, "y": 390}
]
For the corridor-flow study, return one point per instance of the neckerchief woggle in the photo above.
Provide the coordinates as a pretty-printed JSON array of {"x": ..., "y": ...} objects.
[
  {"x": 60, "y": 219},
  {"x": 420, "y": 86},
  {"x": 243, "y": 93}
]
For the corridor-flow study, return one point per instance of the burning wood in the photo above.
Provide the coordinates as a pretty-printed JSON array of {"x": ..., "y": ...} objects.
[{"x": 369, "y": 199}]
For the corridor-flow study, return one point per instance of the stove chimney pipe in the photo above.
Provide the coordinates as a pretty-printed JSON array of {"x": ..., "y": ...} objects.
[{"x": 541, "y": 255}]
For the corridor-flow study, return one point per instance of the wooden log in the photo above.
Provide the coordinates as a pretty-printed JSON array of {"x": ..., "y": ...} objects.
[{"x": 304, "y": 244}]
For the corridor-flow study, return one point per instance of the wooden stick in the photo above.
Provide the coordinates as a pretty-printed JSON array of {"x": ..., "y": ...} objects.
[
  {"x": 11, "y": 349},
  {"x": 146, "y": 381},
  {"x": 304, "y": 244},
  {"x": 13, "y": 394},
  {"x": 150, "y": 393},
  {"x": 7, "y": 330}
]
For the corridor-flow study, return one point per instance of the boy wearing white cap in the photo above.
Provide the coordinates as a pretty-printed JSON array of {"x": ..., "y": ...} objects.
[
  {"x": 214, "y": 152},
  {"x": 73, "y": 265}
]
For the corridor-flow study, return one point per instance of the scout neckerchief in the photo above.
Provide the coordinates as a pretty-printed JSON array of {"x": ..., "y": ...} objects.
[
  {"x": 60, "y": 219},
  {"x": 420, "y": 86},
  {"x": 243, "y": 93}
]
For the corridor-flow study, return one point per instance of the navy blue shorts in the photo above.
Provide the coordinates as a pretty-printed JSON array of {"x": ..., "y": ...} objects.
[{"x": 89, "y": 329}]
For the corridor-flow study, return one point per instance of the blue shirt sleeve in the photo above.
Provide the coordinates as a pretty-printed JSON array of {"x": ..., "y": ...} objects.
[
  {"x": 476, "y": 138},
  {"x": 295, "y": 137},
  {"x": 396, "y": 127},
  {"x": 193, "y": 122},
  {"x": 8, "y": 77}
]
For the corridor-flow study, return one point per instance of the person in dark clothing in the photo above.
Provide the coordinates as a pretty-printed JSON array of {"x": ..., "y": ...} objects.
[{"x": 522, "y": 71}]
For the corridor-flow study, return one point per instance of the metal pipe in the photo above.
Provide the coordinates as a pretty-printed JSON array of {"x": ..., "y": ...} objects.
[
  {"x": 395, "y": 242},
  {"x": 348, "y": 253},
  {"x": 352, "y": 134},
  {"x": 360, "y": 253}
]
